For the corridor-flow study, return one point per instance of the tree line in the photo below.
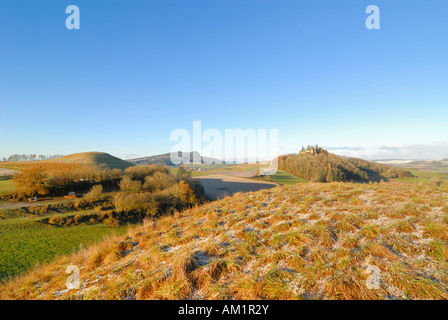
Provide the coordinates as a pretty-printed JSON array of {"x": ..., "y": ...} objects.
[{"x": 30, "y": 157}]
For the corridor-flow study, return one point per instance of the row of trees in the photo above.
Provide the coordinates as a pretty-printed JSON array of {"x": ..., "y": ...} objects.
[
  {"x": 30, "y": 157},
  {"x": 329, "y": 167},
  {"x": 59, "y": 178}
]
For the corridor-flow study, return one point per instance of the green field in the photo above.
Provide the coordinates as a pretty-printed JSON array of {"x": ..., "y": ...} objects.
[
  {"x": 25, "y": 242},
  {"x": 425, "y": 177},
  {"x": 284, "y": 178},
  {"x": 281, "y": 177},
  {"x": 7, "y": 186}
]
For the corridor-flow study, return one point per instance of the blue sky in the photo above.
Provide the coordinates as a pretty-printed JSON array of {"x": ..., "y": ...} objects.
[{"x": 137, "y": 70}]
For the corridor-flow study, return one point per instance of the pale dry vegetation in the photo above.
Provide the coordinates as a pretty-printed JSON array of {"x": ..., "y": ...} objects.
[{"x": 310, "y": 241}]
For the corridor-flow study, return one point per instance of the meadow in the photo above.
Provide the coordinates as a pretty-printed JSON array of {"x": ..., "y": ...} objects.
[
  {"x": 284, "y": 178},
  {"x": 35, "y": 232},
  {"x": 7, "y": 186},
  {"x": 25, "y": 242},
  {"x": 436, "y": 178}
]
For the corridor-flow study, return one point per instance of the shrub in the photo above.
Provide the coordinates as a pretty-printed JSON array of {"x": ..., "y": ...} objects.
[
  {"x": 158, "y": 182},
  {"x": 141, "y": 202},
  {"x": 56, "y": 220},
  {"x": 95, "y": 192},
  {"x": 44, "y": 209},
  {"x": 78, "y": 218},
  {"x": 141, "y": 172},
  {"x": 129, "y": 185},
  {"x": 111, "y": 222}
]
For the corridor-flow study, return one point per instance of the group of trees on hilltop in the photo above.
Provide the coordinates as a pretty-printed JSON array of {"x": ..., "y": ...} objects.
[
  {"x": 329, "y": 168},
  {"x": 30, "y": 157}
]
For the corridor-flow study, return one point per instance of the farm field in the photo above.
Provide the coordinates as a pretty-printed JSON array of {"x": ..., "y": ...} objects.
[
  {"x": 24, "y": 242},
  {"x": 285, "y": 178},
  {"x": 218, "y": 186},
  {"x": 426, "y": 177}
]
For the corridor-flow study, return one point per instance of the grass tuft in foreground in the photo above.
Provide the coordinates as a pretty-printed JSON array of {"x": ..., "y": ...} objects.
[{"x": 308, "y": 241}]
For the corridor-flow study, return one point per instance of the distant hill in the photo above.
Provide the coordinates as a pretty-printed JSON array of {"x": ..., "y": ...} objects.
[
  {"x": 321, "y": 166},
  {"x": 423, "y": 165},
  {"x": 93, "y": 158},
  {"x": 165, "y": 159}
]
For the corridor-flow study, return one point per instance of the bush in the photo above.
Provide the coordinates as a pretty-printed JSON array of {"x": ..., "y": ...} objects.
[
  {"x": 44, "y": 209},
  {"x": 111, "y": 222},
  {"x": 129, "y": 185},
  {"x": 177, "y": 197},
  {"x": 78, "y": 218},
  {"x": 95, "y": 192},
  {"x": 141, "y": 172},
  {"x": 140, "y": 202},
  {"x": 158, "y": 182},
  {"x": 56, "y": 220}
]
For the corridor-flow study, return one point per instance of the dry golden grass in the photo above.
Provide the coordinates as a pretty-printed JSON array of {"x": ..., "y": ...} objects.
[{"x": 310, "y": 241}]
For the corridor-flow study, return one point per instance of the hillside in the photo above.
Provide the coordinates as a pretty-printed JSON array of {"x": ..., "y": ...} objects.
[
  {"x": 309, "y": 241},
  {"x": 93, "y": 158},
  {"x": 165, "y": 159},
  {"x": 100, "y": 159},
  {"x": 328, "y": 167}
]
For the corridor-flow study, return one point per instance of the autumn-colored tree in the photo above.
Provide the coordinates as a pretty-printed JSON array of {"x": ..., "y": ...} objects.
[
  {"x": 95, "y": 192},
  {"x": 159, "y": 181},
  {"x": 141, "y": 172},
  {"x": 32, "y": 182},
  {"x": 188, "y": 195}
]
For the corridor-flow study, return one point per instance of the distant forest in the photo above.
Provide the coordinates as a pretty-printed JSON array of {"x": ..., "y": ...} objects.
[
  {"x": 30, "y": 157},
  {"x": 327, "y": 167}
]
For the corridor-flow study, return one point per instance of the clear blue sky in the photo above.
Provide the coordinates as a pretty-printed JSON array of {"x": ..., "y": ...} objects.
[{"x": 136, "y": 70}]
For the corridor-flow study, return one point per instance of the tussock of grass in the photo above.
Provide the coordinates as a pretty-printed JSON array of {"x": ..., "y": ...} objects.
[{"x": 309, "y": 241}]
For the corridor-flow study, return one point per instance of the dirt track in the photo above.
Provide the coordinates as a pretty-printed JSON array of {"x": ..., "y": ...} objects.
[
  {"x": 7, "y": 172},
  {"x": 218, "y": 185}
]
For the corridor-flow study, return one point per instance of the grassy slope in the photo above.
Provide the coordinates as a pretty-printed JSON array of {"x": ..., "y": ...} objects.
[
  {"x": 7, "y": 186},
  {"x": 97, "y": 158},
  {"x": 91, "y": 158},
  {"x": 292, "y": 242},
  {"x": 25, "y": 242},
  {"x": 284, "y": 178}
]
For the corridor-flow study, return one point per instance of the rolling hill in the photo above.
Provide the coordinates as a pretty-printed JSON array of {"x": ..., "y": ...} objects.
[
  {"x": 322, "y": 166},
  {"x": 100, "y": 159},
  {"x": 92, "y": 158},
  {"x": 165, "y": 159}
]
